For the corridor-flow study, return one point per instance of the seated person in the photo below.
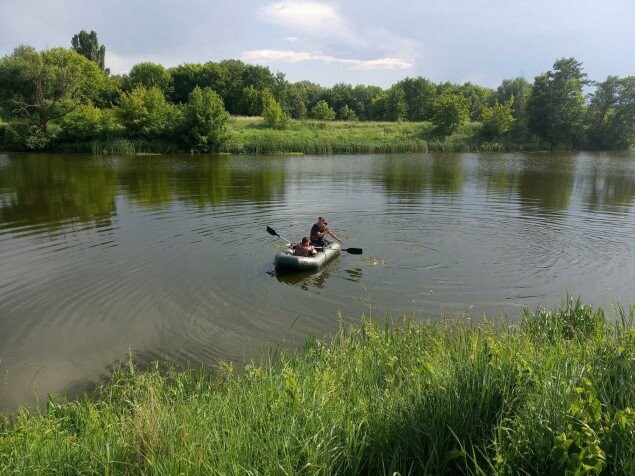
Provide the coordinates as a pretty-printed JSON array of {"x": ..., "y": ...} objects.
[{"x": 304, "y": 249}]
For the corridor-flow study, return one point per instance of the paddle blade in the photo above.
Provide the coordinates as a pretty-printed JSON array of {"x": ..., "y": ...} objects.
[
  {"x": 353, "y": 251},
  {"x": 271, "y": 231}
]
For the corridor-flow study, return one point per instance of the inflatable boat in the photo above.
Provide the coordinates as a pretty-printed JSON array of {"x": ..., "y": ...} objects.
[{"x": 286, "y": 260}]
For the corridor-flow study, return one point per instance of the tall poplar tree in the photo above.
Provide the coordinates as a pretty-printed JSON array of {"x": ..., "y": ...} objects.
[{"x": 87, "y": 44}]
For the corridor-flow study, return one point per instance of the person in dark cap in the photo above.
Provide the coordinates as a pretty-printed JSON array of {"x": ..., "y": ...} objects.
[{"x": 319, "y": 230}]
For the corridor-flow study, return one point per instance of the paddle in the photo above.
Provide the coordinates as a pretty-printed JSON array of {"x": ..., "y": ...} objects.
[
  {"x": 353, "y": 251},
  {"x": 271, "y": 231}
]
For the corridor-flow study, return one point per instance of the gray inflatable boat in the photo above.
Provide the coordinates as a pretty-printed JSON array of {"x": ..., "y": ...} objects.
[{"x": 286, "y": 260}]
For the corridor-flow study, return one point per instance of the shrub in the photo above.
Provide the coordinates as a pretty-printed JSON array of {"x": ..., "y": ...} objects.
[
  {"x": 322, "y": 112},
  {"x": 205, "y": 121}
]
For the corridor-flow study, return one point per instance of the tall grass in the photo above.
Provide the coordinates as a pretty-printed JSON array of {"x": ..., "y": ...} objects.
[
  {"x": 552, "y": 395},
  {"x": 251, "y": 136}
]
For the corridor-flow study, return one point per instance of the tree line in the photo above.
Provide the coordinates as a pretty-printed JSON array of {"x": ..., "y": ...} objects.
[{"x": 65, "y": 95}]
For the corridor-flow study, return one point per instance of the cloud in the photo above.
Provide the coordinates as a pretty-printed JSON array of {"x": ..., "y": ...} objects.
[
  {"x": 289, "y": 56},
  {"x": 316, "y": 19}
]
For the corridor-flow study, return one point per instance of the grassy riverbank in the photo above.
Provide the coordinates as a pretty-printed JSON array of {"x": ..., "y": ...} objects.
[
  {"x": 250, "y": 135},
  {"x": 555, "y": 393}
]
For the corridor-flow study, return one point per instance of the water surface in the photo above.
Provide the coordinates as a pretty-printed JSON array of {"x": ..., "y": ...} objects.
[{"x": 168, "y": 258}]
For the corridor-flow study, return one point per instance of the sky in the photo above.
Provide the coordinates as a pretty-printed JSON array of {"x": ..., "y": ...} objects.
[{"x": 352, "y": 41}]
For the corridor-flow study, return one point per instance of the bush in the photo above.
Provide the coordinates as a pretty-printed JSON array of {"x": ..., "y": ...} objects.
[
  {"x": 87, "y": 122},
  {"x": 205, "y": 121},
  {"x": 450, "y": 111},
  {"x": 272, "y": 112},
  {"x": 322, "y": 112},
  {"x": 146, "y": 113},
  {"x": 347, "y": 114},
  {"x": 497, "y": 119}
]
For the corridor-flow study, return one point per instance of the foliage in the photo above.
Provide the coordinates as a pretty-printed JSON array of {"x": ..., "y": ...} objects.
[
  {"x": 251, "y": 102},
  {"x": 395, "y": 108},
  {"x": 498, "y": 119},
  {"x": 88, "y": 122},
  {"x": 322, "y": 112},
  {"x": 87, "y": 45},
  {"x": 556, "y": 105},
  {"x": 363, "y": 101},
  {"x": 346, "y": 114},
  {"x": 419, "y": 94},
  {"x": 205, "y": 121},
  {"x": 145, "y": 113},
  {"x": 272, "y": 112},
  {"x": 519, "y": 90},
  {"x": 611, "y": 114},
  {"x": 339, "y": 96},
  {"x": 410, "y": 397},
  {"x": 450, "y": 111},
  {"x": 149, "y": 75},
  {"x": 477, "y": 98},
  {"x": 36, "y": 88}
]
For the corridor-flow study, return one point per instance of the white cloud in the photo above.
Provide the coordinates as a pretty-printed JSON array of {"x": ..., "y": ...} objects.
[
  {"x": 316, "y": 19},
  {"x": 289, "y": 56}
]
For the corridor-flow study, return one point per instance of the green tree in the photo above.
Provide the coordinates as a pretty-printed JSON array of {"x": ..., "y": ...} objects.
[
  {"x": 87, "y": 123},
  {"x": 518, "y": 89},
  {"x": 240, "y": 75},
  {"x": 378, "y": 106},
  {"x": 37, "y": 88},
  {"x": 251, "y": 102},
  {"x": 346, "y": 114},
  {"x": 322, "y": 111},
  {"x": 611, "y": 114},
  {"x": 87, "y": 45},
  {"x": 109, "y": 92},
  {"x": 450, "y": 111},
  {"x": 363, "y": 100},
  {"x": 340, "y": 95},
  {"x": 272, "y": 112},
  {"x": 419, "y": 96},
  {"x": 187, "y": 76},
  {"x": 149, "y": 75},
  {"x": 498, "y": 119},
  {"x": 556, "y": 105},
  {"x": 308, "y": 94},
  {"x": 395, "y": 108},
  {"x": 145, "y": 113},
  {"x": 205, "y": 121},
  {"x": 477, "y": 98}
]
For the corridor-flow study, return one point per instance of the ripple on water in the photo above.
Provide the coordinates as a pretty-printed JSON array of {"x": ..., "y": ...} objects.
[{"x": 190, "y": 278}]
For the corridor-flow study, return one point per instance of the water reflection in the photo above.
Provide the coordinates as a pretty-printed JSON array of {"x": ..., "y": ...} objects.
[
  {"x": 306, "y": 280},
  {"x": 548, "y": 188},
  {"x": 167, "y": 256},
  {"x": 408, "y": 176},
  {"x": 611, "y": 189},
  {"x": 53, "y": 190}
]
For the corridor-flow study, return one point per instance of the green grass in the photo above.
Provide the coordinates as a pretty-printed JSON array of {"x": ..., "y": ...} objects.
[
  {"x": 551, "y": 395},
  {"x": 250, "y": 135}
]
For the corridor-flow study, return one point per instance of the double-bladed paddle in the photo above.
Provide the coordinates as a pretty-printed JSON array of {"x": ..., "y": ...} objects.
[{"x": 353, "y": 251}]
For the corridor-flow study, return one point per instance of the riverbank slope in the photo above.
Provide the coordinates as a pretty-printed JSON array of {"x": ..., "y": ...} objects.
[{"x": 554, "y": 394}]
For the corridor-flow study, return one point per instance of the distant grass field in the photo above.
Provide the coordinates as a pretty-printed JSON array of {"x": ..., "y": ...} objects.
[
  {"x": 552, "y": 395},
  {"x": 250, "y": 135}
]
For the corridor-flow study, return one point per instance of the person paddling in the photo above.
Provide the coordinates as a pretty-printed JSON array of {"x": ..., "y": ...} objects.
[{"x": 319, "y": 230}]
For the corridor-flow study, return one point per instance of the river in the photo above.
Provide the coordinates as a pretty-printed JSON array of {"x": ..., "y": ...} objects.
[{"x": 167, "y": 257}]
